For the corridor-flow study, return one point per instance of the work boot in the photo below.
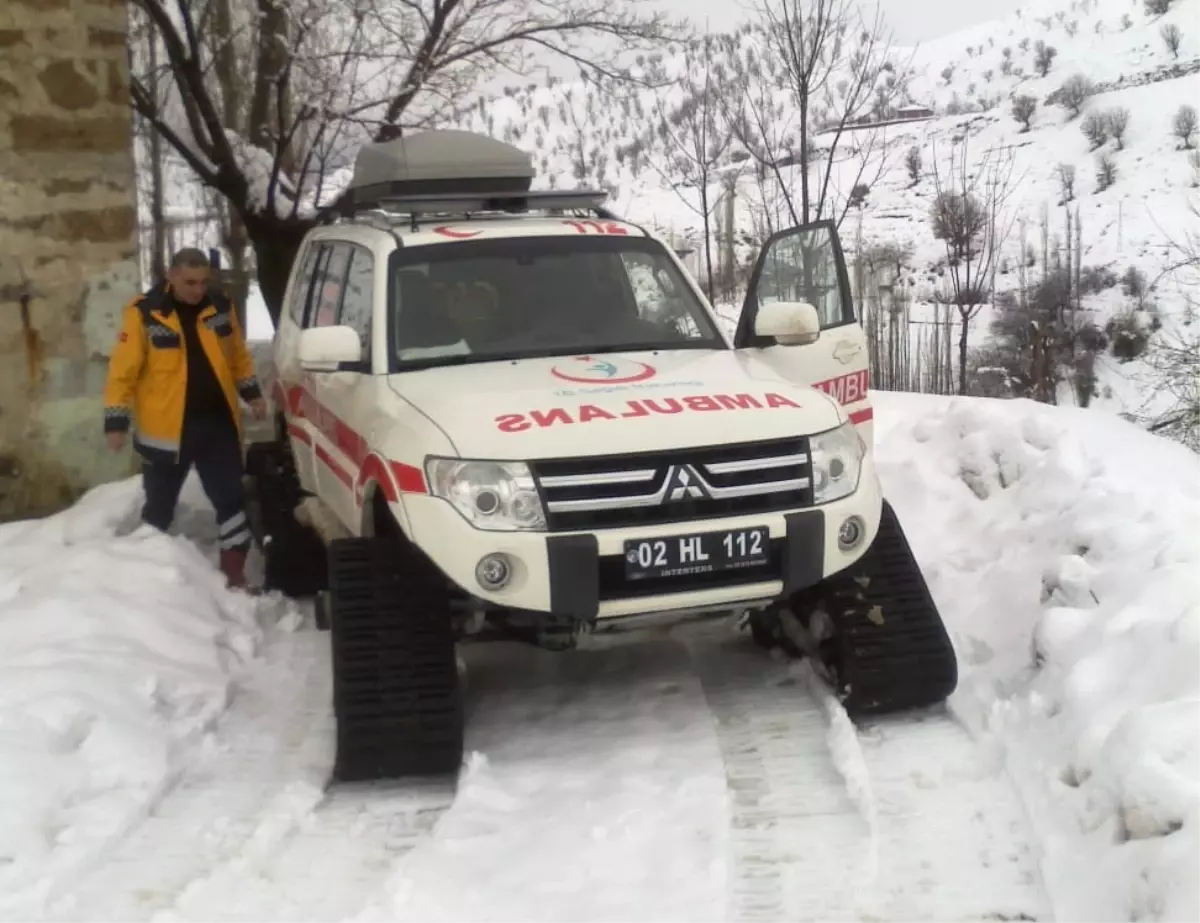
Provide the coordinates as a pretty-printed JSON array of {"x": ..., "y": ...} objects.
[{"x": 233, "y": 566}]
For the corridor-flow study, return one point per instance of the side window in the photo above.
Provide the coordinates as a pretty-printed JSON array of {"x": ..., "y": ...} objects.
[
  {"x": 358, "y": 296},
  {"x": 327, "y": 295},
  {"x": 299, "y": 299},
  {"x": 802, "y": 265}
]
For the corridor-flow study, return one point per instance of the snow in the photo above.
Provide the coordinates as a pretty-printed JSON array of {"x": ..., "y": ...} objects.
[
  {"x": 1071, "y": 537},
  {"x": 116, "y": 645},
  {"x": 165, "y": 743}
]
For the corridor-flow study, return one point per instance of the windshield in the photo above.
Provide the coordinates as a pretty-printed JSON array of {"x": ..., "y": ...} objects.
[{"x": 524, "y": 297}]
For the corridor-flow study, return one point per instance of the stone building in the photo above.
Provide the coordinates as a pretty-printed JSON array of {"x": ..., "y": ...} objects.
[{"x": 68, "y": 260}]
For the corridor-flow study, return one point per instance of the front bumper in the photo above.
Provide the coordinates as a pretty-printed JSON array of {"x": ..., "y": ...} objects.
[{"x": 581, "y": 574}]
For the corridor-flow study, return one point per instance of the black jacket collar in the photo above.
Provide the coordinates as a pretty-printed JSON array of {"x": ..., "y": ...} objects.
[{"x": 158, "y": 299}]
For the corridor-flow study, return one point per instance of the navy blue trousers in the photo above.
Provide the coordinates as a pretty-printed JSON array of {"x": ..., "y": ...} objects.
[{"x": 211, "y": 444}]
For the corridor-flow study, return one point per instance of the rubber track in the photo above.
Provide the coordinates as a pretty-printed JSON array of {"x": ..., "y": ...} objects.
[
  {"x": 395, "y": 692},
  {"x": 893, "y": 651},
  {"x": 295, "y": 555}
]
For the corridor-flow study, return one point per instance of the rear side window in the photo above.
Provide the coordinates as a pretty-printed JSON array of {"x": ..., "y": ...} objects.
[
  {"x": 300, "y": 293},
  {"x": 327, "y": 294}
]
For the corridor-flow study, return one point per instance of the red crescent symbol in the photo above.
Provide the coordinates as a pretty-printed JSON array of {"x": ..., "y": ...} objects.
[
  {"x": 457, "y": 235},
  {"x": 646, "y": 372}
]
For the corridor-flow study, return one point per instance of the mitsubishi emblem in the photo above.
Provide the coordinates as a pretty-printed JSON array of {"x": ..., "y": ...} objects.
[{"x": 683, "y": 483}]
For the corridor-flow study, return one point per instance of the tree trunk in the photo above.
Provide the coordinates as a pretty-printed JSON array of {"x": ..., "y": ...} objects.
[
  {"x": 276, "y": 243},
  {"x": 962, "y": 353}
]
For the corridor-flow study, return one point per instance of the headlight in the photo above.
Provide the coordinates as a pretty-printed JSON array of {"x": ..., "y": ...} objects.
[
  {"x": 836, "y": 462},
  {"x": 492, "y": 495}
]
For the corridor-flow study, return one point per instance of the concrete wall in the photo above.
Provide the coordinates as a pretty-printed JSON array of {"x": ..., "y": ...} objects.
[{"x": 67, "y": 243}]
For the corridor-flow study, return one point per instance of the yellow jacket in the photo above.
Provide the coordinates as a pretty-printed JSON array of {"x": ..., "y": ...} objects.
[{"x": 147, "y": 373}]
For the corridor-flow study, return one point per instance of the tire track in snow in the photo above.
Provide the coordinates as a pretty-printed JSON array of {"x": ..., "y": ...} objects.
[
  {"x": 251, "y": 832},
  {"x": 593, "y": 791},
  {"x": 909, "y": 818}
]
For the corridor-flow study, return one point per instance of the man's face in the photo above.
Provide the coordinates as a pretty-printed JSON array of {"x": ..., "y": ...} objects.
[{"x": 189, "y": 284}]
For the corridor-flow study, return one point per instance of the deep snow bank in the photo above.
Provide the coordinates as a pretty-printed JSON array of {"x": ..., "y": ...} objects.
[
  {"x": 115, "y": 654},
  {"x": 1064, "y": 549}
]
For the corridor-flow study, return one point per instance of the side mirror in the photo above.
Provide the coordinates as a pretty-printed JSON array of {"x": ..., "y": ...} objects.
[
  {"x": 326, "y": 349},
  {"x": 791, "y": 323}
]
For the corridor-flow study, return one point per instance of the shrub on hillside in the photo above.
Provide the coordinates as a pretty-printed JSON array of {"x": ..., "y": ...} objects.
[
  {"x": 1171, "y": 36},
  {"x": 912, "y": 162},
  {"x": 1074, "y": 93},
  {"x": 1023, "y": 108},
  {"x": 1095, "y": 129},
  {"x": 1133, "y": 283},
  {"x": 1117, "y": 120},
  {"x": 1096, "y": 279},
  {"x": 1044, "y": 57},
  {"x": 1184, "y": 125},
  {"x": 1157, "y": 7},
  {"x": 948, "y": 73},
  {"x": 1066, "y": 181},
  {"x": 1128, "y": 336},
  {"x": 1106, "y": 171}
]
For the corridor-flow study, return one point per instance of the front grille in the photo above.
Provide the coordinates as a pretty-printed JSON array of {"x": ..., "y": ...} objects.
[{"x": 678, "y": 485}]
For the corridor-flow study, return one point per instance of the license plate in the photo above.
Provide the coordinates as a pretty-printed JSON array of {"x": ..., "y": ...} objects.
[{"x": 698, "y": 553}]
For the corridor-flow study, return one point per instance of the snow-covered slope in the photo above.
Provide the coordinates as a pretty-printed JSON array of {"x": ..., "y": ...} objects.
[{"x": 164, "y": 743}]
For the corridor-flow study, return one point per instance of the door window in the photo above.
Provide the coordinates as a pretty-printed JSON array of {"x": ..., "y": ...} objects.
[
  {"x": 804, "y": 264},
  {"x": 358, "y": 296}
]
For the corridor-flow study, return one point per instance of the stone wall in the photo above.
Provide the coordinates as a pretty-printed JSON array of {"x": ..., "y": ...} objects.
[{"x": 67, "y": 243}]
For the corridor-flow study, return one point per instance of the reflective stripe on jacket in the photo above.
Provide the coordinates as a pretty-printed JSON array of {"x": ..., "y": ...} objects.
[{"x": 147, "y": 373}]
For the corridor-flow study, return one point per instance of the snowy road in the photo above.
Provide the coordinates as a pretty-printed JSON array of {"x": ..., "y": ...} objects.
[{"x": 690, "y": 770}]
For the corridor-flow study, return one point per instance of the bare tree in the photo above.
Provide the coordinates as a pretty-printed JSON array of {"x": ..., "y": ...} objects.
[
  {"x": 1044, "y": 56},
  {"x": 1095, "y": 128},
  {"x": 1174, "y": 361},
  {"x": 833, "y": 66},
  {"x": 1023, "y": 108},
  {"x": 1171, "y": 36},
  {"x": 912, "y": 162},
  {"x": 1184, "y": 124},
  {"x": 1117, "y": 119},
  {"x": 696, "y": 137},
  {"x": 1066, "y": 180},
  {"x": 970, "y": 216},
  {"x": 317, "y": 78},
  {"x": 1074, "y": 93}
]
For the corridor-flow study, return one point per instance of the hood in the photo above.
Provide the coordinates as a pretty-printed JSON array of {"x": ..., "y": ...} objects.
[{"x": 613, "y": 404}]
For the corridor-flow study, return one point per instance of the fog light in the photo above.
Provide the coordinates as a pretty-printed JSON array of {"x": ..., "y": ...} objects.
[
  {"x": 493, "y": 571},
  {"x": 850, "y": 535}
]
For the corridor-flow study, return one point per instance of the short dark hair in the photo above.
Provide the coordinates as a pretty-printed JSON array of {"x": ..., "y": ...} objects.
[{"x": 190, "y": 258}]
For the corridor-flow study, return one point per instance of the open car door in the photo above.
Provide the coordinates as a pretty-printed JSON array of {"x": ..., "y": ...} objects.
[{"x": 806, "y": 264}]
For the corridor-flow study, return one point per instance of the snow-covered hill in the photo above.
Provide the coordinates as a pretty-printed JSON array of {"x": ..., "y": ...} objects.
[{"x": 165, "y": 743}]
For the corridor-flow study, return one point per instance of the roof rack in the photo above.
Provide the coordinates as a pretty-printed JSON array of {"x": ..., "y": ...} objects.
[{"x": 450, "y": 172}]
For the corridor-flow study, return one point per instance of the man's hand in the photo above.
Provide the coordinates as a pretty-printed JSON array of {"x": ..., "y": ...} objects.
[
  {"x": 258, "y": 407},
  {"x": 116, "y": 441}
]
